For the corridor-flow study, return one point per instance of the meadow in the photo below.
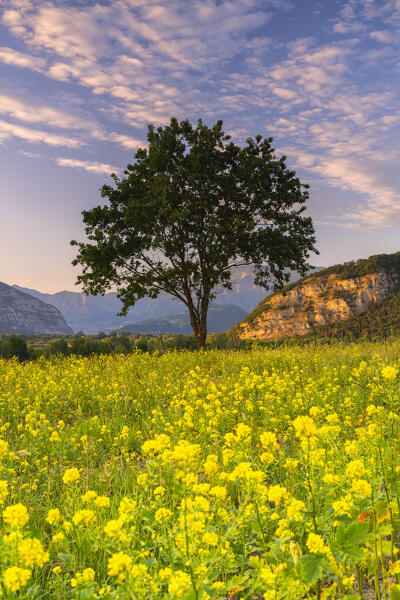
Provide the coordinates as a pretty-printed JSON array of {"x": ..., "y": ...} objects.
[{"x": 262, "y": 474}]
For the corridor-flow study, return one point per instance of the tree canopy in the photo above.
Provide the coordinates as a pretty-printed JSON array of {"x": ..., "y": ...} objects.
[{"x": 191, "y": 207}]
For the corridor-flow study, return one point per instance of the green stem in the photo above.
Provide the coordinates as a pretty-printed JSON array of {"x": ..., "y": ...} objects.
[{"x": 188, "y": 551}]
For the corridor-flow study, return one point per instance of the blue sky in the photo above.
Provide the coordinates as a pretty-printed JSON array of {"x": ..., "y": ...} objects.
[{"x": 79, "y": 82}]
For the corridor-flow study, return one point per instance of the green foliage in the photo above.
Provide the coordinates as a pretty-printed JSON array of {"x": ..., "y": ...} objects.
[
  {"x": 14, "y": 346},
  {"x": 311, "y": 567},
  {"x": 58, "y": 346},
  {"x": 379, "y": 320},
  {"x": 191, "y": 207}
]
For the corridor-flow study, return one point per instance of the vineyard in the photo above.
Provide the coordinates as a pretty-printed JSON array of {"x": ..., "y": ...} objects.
[{"x": 262, "y": 474}]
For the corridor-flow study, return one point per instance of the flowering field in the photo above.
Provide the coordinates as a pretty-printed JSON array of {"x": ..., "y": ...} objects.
[{"x": 262, "y": 474}]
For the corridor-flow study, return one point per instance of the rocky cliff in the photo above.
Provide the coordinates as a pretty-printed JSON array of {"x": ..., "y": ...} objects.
[
  {"x": 324, "y": 298},
  {"x": 22, "y": 313}
]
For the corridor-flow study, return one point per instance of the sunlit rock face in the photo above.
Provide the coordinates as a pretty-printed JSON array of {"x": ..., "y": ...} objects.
[
  {"x": 316, "y": 301},
  {"x": 22, "y": 313}
]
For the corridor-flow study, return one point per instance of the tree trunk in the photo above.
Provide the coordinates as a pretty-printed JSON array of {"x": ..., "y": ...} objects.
[
  {"x": 201, "y": 336},
  {"x": 199, "y": 326}
]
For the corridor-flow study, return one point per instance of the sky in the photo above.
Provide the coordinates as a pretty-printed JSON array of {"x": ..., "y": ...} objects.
[{"x": 81, "y": 80}]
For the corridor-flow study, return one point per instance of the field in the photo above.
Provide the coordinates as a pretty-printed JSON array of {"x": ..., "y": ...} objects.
[{"x": 257, "y": 474}]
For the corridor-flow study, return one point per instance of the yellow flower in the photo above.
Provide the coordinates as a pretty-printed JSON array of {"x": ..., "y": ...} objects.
[
  {"x": 86, "y": 576},
  {"x": 118, "y": 563},
  {"x": 58, "y": 538},
  {"x": 15, "y": 578},
  {"x": 179, "y": 583},
  {"x": 316, "y": 544},
  {"x": 85, "y": 516},
  {"x": 163, "y": 514},
  {"x": 89, "y": 496},
  {"x": 343, "y": 506},
  {"x": 71, "y": 475},
  {"x": 127, "y": 508},
  {"x": 276, "y": 494},
  {"x": 389, "y": 372},
  {"x": 16, "y": 515},
  {"x": 361, "y": 487},
  {"x": 157, "y": 445},
  {"x": 184, "y": 453},
  {"x": 3, "y": 490},
  {"x": 355, "y": 468},
  {"x": 53, "y": 516},
  {"x": 31, "y": 552},
  {"x": 218, "y": 491},
  {"x": 295, "y": 509},
  {"x": 304, "y": 427},
  {"x": 102, "y": 502},
  {"x": 3, "y": 448},
  {"x": 113, "y": 527},
  {"x": 210, "y": 538},
  {"x": 268, "y": 440}
]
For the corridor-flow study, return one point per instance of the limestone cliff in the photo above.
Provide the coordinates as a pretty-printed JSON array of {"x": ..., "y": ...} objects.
[
  {"x": 22, "y": 313},
  {"x": 323, "y": 299}
]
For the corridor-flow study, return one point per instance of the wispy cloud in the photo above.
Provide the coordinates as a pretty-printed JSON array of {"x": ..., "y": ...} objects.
[
  {"x": 92, "y": 167},
  {"x": 13, "y": 130},
  {"x": 131, "y": 62},
  {"x": 21, "y": 59}
]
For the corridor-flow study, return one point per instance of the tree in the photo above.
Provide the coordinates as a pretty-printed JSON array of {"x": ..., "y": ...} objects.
[
  {"x": 58, "y": 346},
  {"x": 193, "y": 206},
  {"x": 16, "y": 346}
]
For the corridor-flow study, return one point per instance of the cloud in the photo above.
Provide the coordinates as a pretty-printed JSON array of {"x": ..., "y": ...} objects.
[
  {"x": 134, "y": 62},
  {"x": 12, "y": 130},
  {"x": 30, "y": 154},
  {"x": 21, "y": 59},
  {"x": 92, "y": 167},
  {"x": 126, "y": 141},
  {"x": 33, "y": 112},
  {"x": 141, "y": 53}
]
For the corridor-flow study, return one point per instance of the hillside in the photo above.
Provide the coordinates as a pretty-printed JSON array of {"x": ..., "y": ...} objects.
[
  {"x": 22, "y": 313},
  {"x": 352, "y": 298},
  {"x": 220, "y": 318}
]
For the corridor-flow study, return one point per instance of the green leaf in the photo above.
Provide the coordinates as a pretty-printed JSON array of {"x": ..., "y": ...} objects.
[
  {"x": 190, "y": 595},
  {"x": 355, "y": 533},
  {"x": 394, "y": 592},
  {"x": 67, "y": 559},
  {"x": 312, "y": 566},
  {"x": 87, "y": 594}
]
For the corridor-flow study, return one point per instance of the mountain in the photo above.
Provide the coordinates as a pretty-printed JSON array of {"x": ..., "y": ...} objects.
[
  {"x": 92, "y": 314},
  {"x": 22, "y": 313},
  {"x": 355, "y": 298},
  {"x": 220, "y": 318}
]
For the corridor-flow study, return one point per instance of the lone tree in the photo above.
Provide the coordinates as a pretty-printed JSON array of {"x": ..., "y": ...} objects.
[{"x": 191, "y": 207}]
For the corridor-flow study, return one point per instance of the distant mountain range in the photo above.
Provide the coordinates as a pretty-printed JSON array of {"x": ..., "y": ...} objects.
[
  {"x": 92, "y": 314},
  {"x": 22, "y": 313},
  {"x": 220, "y": 318}
]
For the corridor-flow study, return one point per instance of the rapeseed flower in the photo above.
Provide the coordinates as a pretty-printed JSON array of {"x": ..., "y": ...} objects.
[
  {"x": 16, "y": 515},
  {"x": 15, "y": 578},
  {"x": 71, "y": 475},
  {"x": 31, "y": 552}
]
